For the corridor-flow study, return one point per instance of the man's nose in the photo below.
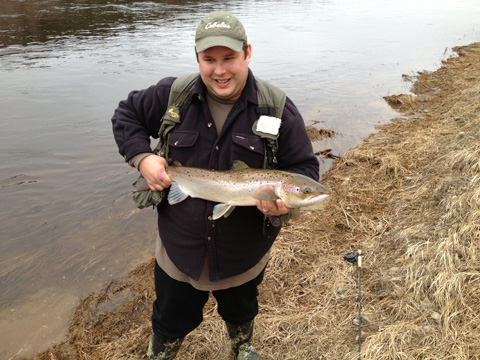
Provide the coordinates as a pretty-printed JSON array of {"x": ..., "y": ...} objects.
[{"x": 219, "y": 68}]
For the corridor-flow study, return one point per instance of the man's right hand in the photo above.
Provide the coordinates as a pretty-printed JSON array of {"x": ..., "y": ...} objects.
[{"x": 152, "y": 169}]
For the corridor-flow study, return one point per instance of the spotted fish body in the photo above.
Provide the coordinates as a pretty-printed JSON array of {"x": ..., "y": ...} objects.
[{"x": 243, "y": 186}]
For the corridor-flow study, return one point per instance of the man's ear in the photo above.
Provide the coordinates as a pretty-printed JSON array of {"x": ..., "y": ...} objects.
[{"x": 248, "y": 55}]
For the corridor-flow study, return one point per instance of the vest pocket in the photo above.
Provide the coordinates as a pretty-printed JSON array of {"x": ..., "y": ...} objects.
[
  {"x": 182, "y": 146},
  {"x": 249, "y": 148}
]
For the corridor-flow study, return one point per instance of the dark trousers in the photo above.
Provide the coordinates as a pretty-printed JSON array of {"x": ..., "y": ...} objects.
[{"x": 178, "y": 309}]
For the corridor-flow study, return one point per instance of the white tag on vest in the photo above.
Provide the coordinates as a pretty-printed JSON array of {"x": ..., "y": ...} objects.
[{"x": 269, "y": 125}]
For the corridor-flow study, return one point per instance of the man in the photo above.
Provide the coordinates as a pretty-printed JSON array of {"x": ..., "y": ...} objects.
[{"x": 196, "y": 255}]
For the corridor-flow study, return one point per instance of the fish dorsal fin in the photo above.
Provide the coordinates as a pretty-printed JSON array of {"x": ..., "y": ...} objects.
[
  {"x": 177, "y": 163},
  {"x": 239, "y": 165},
  {"x": 265, "y": 193},
  {"x": 176, "y": 195},
  {"x": 220, "y": 210}
]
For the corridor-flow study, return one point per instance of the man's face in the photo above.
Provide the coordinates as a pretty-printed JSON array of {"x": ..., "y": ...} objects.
[{"x": 224, "y": 71}]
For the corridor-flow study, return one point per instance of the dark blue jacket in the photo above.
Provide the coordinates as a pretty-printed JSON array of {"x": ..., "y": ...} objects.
[{"x": 236, "y": 243}]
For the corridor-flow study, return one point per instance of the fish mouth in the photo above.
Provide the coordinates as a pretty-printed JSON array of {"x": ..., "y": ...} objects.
[{"x": 318, "y": 197}]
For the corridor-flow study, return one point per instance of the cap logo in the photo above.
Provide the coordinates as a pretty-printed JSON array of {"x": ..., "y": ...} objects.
[{"x": 215, "y": 24}]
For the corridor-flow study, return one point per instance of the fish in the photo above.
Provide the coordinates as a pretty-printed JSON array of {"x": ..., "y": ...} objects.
[{"x": 243, "y": 186}]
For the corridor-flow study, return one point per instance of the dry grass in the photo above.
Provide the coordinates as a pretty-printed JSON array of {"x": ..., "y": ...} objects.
[{"x": 408, "y": 196}]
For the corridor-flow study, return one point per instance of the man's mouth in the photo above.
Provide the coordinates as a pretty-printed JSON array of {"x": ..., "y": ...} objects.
[{"x": 222, "y": 81}]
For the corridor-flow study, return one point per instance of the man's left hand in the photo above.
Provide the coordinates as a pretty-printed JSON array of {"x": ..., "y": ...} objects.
[{"x": 272, "y": 208}]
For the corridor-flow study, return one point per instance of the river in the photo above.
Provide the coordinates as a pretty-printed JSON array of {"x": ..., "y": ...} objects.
[{"x": 67, "y": 223}]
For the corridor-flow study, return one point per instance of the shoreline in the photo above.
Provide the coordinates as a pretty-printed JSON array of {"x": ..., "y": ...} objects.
[{"x": 407, "y": 196}]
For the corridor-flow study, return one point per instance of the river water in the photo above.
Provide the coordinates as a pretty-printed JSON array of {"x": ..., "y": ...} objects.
[{"x": 67, "y": 223}]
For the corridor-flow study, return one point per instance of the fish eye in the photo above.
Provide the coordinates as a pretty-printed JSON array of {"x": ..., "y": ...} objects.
[{"x": 307, "y": 190}]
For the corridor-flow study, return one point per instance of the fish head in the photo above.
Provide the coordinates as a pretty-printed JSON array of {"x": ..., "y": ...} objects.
[{"x": 300, "y": 191}]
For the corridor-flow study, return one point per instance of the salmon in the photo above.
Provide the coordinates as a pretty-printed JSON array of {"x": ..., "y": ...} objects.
[{"x": 243, "y": 186}]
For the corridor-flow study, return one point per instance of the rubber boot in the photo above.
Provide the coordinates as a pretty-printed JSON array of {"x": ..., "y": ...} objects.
[
  {"x": 163, "y": 349},
  {"x": 240, "y": 336}
]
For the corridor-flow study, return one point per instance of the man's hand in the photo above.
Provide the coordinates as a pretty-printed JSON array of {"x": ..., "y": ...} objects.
[
  {"x": 152, "y": 169},
  {"x": 272, "y": 208}
]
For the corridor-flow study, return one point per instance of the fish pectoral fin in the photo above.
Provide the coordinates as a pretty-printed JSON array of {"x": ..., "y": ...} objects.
[
  {"x": 220, "y": 210},
  {"x": 295, "y": 214},
  {"x": 266, "y": 193},
  {"x": 176, "y": 195}
]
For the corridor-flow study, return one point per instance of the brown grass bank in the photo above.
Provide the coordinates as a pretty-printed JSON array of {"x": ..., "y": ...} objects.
[{"x": 408, "y": 196}]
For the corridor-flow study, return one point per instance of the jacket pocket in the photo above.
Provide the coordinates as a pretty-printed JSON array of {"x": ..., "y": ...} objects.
[
  {"x": 183, "y": 146},
  {"x": 249, "y": 148}
]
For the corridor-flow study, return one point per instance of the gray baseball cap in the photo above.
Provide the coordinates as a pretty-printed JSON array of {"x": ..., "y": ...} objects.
[{"x": 220, "y": 28}]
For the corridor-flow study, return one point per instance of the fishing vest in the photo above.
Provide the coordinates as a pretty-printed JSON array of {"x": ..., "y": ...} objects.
[{"x": 271, "y": 102}]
